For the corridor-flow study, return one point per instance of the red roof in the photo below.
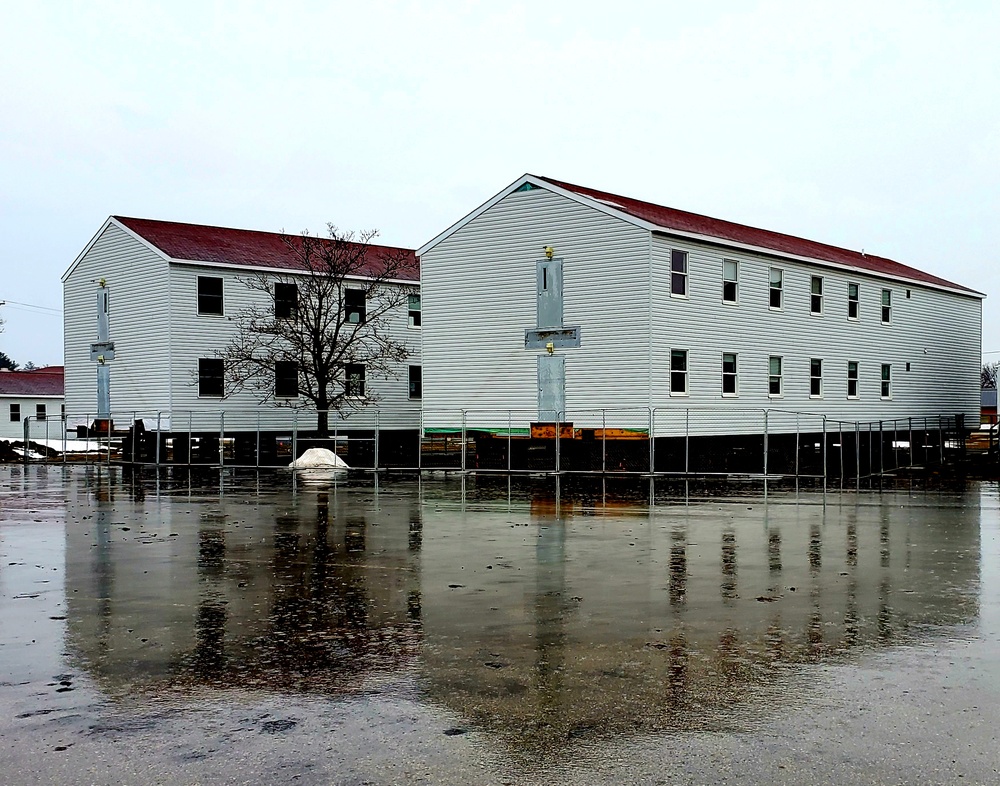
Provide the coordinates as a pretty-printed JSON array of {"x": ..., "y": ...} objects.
[
  {"x": 46, "y": 381},
  {"x": 669, "y": 218},
  {"x": 247, "y": 247}
]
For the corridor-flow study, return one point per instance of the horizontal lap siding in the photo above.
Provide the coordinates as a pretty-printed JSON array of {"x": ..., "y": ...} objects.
[
  {"x": 479, "y": 296},
  {"x": 203, "y": 336},
  {"x": 51, "y": 427},
  {"x": 137, "y": 308},
  {"x": 937, "y": 332}
]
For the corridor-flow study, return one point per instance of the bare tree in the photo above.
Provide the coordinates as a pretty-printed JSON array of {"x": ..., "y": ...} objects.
[
  {"x": 322, "y": 330},
  {"x": 988, "y": 377}
]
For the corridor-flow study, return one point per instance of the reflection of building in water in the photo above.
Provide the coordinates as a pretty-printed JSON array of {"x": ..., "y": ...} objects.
[
  {"x": 318, "y": 593},
  {"x": 686, "y": 619}
]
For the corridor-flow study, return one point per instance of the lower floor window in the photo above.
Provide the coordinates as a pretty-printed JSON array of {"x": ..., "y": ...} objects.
[
  {"x": 678, "y": 371},
  {"x": 852, "y": 379},
  {"x": 40, "y": 413},
  {"x": 354, "y": 380},
  {"x": 211, "y": 376},
  {"x": 15, "y": 413},
  {"x": 730, "y": 385},
  {"x": 286, "y": 379},
  {"x": 886, "y": 380},
  {"x": 416, "y": 388},
  {"x": 774, "y": 376},
  {"x": 815, "y": 377}
]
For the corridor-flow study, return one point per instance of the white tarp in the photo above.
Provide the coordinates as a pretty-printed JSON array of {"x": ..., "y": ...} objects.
[{"x": 316, "y": 458}]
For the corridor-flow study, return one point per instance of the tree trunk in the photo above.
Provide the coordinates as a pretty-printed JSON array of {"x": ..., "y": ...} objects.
[{"x": 323, "y": 423}]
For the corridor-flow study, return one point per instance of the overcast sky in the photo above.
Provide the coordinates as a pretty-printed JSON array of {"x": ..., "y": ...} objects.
[{"x": 870, "y": 125}]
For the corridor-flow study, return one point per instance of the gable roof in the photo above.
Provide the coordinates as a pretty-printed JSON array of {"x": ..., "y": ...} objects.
[
  {"x": 672, "y": 220},
  {"x": 241, "y": 247},
  {"x": 46, "y": 381}
]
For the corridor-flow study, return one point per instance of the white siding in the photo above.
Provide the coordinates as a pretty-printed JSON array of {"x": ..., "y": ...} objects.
[
  {"x": 478, "y": 291},
  {"x": 937, "y": 332},
  {"x": 14, "y": 429},
  {"x": 195, "y": 336},
  {"x": 137, "y": 315}
]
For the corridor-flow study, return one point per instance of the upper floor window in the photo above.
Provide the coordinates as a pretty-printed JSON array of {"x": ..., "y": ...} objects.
[
  {"x": 816, "y": 295},
  {"x": 286, "y": 300},
  {"x": 815, "y": 378},
  {"x": 210, "y": 295},
  {"x": 15, "y": 413},
  {"x": 679, "y": 273},
  {"x": 774, "y": 375},
  {"x": 776, "y": 281},
  {"x": 354, "y": 380},
  {"x": 414, "y": 310},
  {"x": 852, "y": 379},
  {"x": 211, "y": 377},
  {"x": 730, "y": 280},
  {"x": 416, "y": 386},
  {"x": 354, "y": 306},
  {"x": 886, "y": 380},
  {"x": 887, "y": 306},
  {"x": 678, "y": 372},
  {"x": 730, "y": 379},
  {"x": 286, "y": 379},
  {"x": 853, "y": 300}
]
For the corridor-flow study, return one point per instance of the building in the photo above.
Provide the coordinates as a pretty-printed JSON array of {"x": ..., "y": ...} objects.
[
  {"x": 36, "y": 394},
  {"x": 553, "y": 300},
  {"x": 173, "y": 293}
]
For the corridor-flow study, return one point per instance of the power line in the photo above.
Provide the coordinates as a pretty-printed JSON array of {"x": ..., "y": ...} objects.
[{"x": 29, "y": 307}]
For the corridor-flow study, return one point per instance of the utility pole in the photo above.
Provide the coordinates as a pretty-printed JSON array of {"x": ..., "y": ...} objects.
[{"x": 101, "y": 352}]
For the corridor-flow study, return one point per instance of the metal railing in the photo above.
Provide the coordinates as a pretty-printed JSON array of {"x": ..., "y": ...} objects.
[{"x": 662, "y": 441}]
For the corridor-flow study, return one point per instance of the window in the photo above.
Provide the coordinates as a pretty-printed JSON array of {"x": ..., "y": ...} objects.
[
  {"x": 730, "y": 280},
  {"x": 853, "y": 294},
  {"x": 211, "y": 377},
  {"x": 776, "y": 278},
  {"x": 887, "y": 306},
  {"x": 354, "y": 306},
  {"x": 209, "y": 295},
  {"x": 679, "y": 273},
  {"x": 815, "y": 378},
  {"x": 286, "y": 379},
  {"x": 678, "y": 372},
  {"x": 414, "y": 307},
  {"x": 852, "y": 379},
  {"x": 40, "y": 412},
  {"x": 15, "y": 413},
  {"x": 730, "y": 382},
  {"x": 816, "y": 295},
  {"x": 286, "y": 300},
  {"x": 774, "y": 376},
  {"x": 886, "y": 380},
  {"x": 416, "y": 388},
  {"x": 354, "y": 380}
]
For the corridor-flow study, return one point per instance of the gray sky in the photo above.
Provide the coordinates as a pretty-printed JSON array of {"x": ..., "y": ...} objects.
[{"x": 871, "y": 125}]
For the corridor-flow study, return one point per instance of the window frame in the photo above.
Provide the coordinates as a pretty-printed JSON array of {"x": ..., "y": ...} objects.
[
  {"x": 413, "y": 316},
  {"x": 205, "y": 298},
  {"x": 357, "y": 370},
  {"x": 732, "y": 284},
  {"x": 733, "y": 375},
  {"x": 853, "y": 379},
  {"x": 419, "y": 393},
  {"x": 41, "y": 412},
  {"x": 286, "y": 307},
  {"x": 15, "y": 412},
  {"x": 289, "y": 377},
  {"x": 204, "y": 377},
  {"x": 885, "y": 382},
  {"x": 359, "y": 308},
  {"x": 853, "y": 301},
  {"x": 815, "y": 377},
  {"x": 816, "y": 298},
  {"x": 886, "y": 305},
  {"x": 773, "y": 377},
  {"x": 680, "y": 373},
  {"x": 779, "y": 289},
  {"x": 679, "y": 269}
]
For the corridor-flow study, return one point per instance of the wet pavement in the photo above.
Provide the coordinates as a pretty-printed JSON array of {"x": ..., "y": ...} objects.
[{"x": 263, "y": 629}]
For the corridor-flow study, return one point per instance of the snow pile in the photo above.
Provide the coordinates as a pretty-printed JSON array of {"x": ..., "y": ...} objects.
[{"x": 315, "y": 458}]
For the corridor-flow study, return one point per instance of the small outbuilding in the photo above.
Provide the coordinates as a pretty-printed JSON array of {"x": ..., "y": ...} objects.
[{"x": 36, "y": 395}]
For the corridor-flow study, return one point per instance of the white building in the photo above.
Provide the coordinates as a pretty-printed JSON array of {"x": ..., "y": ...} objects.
[
  {"x": 646, "y": 307},
  {"x": 36, "y": 395},
  {"x": 173, "y": 294}
]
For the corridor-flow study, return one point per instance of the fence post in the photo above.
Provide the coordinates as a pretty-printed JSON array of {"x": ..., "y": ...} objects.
[
  {"x": 63, "y": 420},
  {"x": 109, "y": 439},
  {"x": 87, "y": 424},
  {"x": 912, "y": 457},
  {"x": 295, "y": 435},
  {"x": 560, "y": 415},
  {"x": 463, "y": 442},
  {"x": 857, "y": 456},
  {"x": 256, "y": 451},
  {"x": 652, "y": 440},
  {"x": 510, "y": 443},
  {"x": 420, "y": 444},
  {"x": 158, "y": 427},
  {"x": 222, "y": 438},
  {"x": 840, "y": 431},
  {"x": 766, "y": 413},
  {"x": 27, "y": 431},
  {"x": 687, "y": 441},
  {"x": 798, "y": 429},
  {"x": 190, "y": 426},
  {"x": 604, "y": 441},
  {"x": 941, "y": 440},
  {"x": 824, "y": 454},
  {"x": 881, "y": 457},
  {"x": 376, "y": 441}
]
